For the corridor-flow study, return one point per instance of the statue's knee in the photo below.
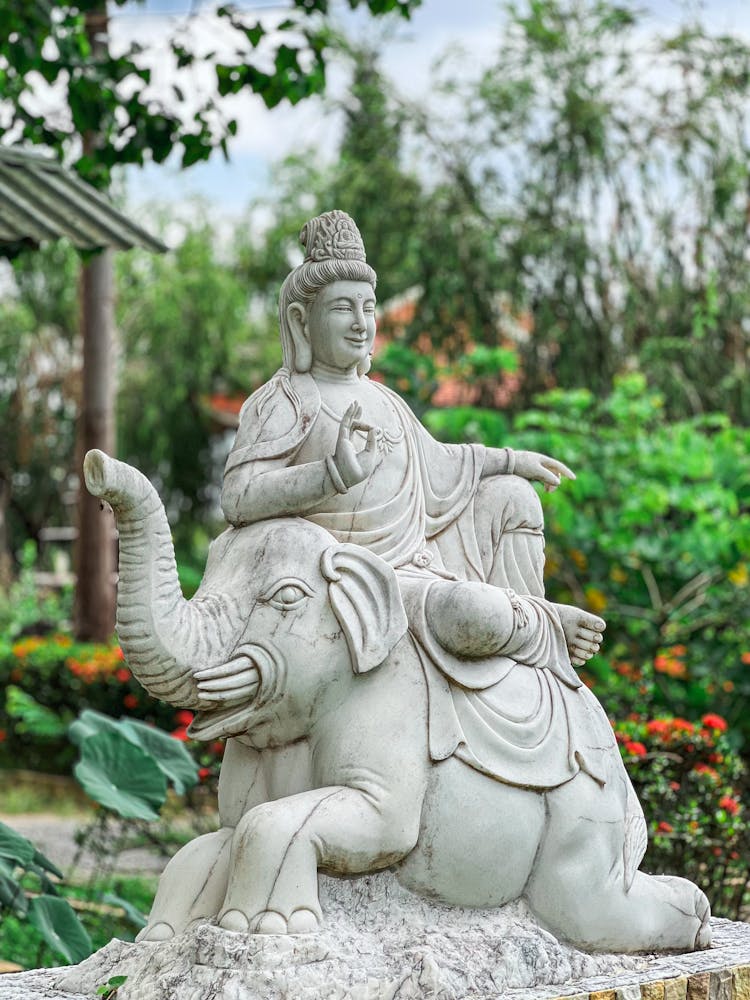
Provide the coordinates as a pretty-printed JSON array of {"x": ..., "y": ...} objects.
[
  {"x": 266, "y": 821},
  {"x": 511, "y": 499}
]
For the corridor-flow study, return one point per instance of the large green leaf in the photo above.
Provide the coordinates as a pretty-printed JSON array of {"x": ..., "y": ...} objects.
[
  {"x": 12, "y": 896},
  {"x": 120, "y": 776},
  {"x": 60, "y": 927},
  {"x": 44, "y": 862},
  {"x": 171, "y": 757},
  {"x": 89, "y": 723},
  {"x": 16, "y": 847}
]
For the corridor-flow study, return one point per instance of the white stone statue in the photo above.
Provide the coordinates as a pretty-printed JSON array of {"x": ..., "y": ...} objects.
[{"x": 372, "y": 639}]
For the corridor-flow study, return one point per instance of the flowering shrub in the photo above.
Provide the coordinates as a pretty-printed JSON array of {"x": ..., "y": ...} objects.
[
  {"x": 65, "y": 676},
  {"x": 694, "y": 789}
]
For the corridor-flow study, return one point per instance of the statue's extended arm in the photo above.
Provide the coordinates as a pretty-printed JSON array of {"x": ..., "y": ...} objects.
[
  {"x": 527, "y": 464},
  {"x": 251, "y": 494}
]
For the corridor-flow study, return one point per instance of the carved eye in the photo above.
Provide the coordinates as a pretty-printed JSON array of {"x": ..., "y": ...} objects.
[{"x": 287, "y": 595}]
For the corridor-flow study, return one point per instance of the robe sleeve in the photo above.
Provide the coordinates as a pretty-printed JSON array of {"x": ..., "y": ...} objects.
[{"x": 271, "y": 426}]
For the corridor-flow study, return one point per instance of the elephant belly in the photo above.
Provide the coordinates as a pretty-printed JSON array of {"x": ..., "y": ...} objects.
[{"x": 477, "y": 841}]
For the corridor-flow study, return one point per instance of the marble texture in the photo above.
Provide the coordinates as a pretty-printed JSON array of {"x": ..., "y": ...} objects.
[{"x": 409, "y": 948}]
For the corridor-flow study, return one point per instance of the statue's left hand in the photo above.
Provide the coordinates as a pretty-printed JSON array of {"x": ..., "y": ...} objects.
[{"x": 541, "y": 468}]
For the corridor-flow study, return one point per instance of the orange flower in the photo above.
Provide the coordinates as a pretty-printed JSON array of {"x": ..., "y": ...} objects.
[
  {"x": 25, "y": 646},
  {"x": 682, "y": 726},
  {"x": 678, "y": 650},
  {"x": 731, "y": 805},
  {"x": 745, "y": 658},
  {"x": 705, "y": 769},
  {"x": 713, "y": 721}
]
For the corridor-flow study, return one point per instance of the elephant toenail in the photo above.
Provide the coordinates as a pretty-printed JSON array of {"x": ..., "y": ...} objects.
[
  {"x": 234, "y": 920},
  {"x": 156, "y": 932},
  {"x": 269, "y": 923},
  {"x": 302, "y": 921}
]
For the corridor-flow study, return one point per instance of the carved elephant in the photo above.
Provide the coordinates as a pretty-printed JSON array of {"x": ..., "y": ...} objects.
[{"x": 296, "y": 648}]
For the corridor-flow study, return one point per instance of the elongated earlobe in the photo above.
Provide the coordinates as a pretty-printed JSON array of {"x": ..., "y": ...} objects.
[{"x": 296, "y": 315}]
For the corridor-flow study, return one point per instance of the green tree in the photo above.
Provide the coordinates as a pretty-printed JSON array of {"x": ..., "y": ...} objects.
[{"x": 186, "y": 337}]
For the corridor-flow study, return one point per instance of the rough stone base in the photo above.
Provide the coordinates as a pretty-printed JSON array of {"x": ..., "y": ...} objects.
[{"x": 380, "y": 942}]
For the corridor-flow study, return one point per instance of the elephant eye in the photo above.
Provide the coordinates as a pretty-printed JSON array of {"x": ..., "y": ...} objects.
[{"x": 288, "y": 594}]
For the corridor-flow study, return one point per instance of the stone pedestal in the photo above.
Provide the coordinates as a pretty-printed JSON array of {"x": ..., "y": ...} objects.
[{"x": 383, "y": 943}]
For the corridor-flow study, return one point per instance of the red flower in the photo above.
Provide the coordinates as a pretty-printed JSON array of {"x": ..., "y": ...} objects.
[
  {"x": 183, "y": 717},
  {"x": 180, "y": 734},
  {"x": 130, "y": 701},
  {"x": 217, "y": 747},
  {"x": 123, "y": 675},
  {"x": 203, "y": 773},
  {"x": 682, "y": 726},
  {"x": 678, "y": 650},
  {"x": 664, "y": 827},
  {"x": 713, "y": 721},
  {"x": 715, "y": 758},
  {"x": 716, "y": 851},
  {"x": 731, "y": 805},
  {"x": 657, "y": 727},
  {"x": 674, "y": 785},
  {"x": 119, "y": 655},
  {"x": 3, "y": 736},
  {"x": 637, "y": 749}
]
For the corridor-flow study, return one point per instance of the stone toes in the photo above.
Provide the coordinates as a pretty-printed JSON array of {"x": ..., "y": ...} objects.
[
  {"x": 269, "y": 922},
  {"x": 160, "y": 931},
  {"x": 302, "y": 921},
  {"x": 234, "y": 920}
]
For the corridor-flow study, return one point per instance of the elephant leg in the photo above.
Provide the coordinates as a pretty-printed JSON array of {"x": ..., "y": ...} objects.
[
  {"x": 578, "y": 887},
  {"x": 191, "y": 887},
  {"x": 279, "y": 846}
]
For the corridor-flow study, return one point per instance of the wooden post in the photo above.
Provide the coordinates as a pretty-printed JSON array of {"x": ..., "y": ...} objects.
[{"x": 95, "y": 554}]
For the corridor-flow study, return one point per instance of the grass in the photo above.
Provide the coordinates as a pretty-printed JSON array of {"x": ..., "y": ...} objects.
[{"x": 27, "y": 792}]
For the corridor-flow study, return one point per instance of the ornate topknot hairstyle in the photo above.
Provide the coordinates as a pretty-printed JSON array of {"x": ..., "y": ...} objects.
[{"x": 334, "y": 251}]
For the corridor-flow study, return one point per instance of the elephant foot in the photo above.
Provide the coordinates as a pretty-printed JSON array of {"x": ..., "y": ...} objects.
[
  {"x": 156, "y": 932},
  {"x": 583, "y": 632},
  {"x": 703, "y": 912},
  {"x": 301, "y": 921}
]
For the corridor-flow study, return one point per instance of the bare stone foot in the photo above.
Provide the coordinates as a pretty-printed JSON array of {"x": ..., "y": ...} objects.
[{"x": 583, "y": 632}]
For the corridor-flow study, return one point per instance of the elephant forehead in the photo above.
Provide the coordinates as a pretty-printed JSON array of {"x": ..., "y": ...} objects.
[{"x": 274, "y": 546}]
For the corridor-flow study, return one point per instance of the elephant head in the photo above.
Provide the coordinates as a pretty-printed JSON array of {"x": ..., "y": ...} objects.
[{"x": 278, "y": 595}]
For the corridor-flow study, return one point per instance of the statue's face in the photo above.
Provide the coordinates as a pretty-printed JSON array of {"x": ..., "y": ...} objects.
[{"x": 341, "y": 324}]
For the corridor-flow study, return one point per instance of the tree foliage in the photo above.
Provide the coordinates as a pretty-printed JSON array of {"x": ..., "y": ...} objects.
[{"x": 51, "y": 44}]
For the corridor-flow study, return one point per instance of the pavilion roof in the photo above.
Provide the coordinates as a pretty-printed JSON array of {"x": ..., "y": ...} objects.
[{"x": 40, "y": 200}]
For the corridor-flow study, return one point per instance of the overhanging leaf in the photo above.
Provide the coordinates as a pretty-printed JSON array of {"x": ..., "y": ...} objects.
[
  {"x": 133, "y": 914},
  {"x": 60, "y": 927},
  {"x": 12, "y": 896},
  {"x": 120, "y": 776},
  {"x": 170, "y": 756},
  {"x": 15, "y": 847},
  {"x": 34, "y": 718}
]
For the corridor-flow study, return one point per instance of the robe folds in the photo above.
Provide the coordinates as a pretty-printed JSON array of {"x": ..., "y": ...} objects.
[{"x": 525, "y": 720}]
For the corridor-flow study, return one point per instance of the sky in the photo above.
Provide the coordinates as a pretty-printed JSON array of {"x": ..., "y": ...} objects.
[{"x": 408, "y": 54}]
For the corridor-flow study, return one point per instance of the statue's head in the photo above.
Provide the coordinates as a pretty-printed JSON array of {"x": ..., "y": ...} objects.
[{"x": 334, "y": 253}]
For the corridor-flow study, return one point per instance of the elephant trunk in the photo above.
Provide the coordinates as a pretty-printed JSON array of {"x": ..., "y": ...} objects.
[{"x": 165, "y": 638}]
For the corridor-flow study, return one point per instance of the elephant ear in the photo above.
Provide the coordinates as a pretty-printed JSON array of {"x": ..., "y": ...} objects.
[{"x": 365, "y": 598}]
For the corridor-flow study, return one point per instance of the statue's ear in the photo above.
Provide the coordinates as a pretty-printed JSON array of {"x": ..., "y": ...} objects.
[
  {"x": 296, "y": 316},
  {"x": 365, "y": 598}
]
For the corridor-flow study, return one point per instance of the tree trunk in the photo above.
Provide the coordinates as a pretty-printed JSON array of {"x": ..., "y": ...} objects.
[
  {"x": 95, "y": 559},
  {"x": 95, "y": 553}
]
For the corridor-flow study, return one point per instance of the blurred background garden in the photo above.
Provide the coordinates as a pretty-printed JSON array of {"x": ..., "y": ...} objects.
[{"x": 560, "y": 231}]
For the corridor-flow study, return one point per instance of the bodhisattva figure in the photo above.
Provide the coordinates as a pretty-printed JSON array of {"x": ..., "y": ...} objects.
[{"x": 372, "y": 639}]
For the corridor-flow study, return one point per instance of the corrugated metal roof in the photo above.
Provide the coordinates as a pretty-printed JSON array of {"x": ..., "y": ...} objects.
[{"x": 40, "y": 200}]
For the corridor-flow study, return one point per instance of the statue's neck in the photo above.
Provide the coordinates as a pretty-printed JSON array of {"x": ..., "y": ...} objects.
[{"x": 322, "y": 372}]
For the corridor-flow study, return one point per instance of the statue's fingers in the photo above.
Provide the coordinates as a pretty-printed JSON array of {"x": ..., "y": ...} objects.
[
  {"x": 577, "y": 661},
  {"x": 584, "y": 648},
  {"x": 349, "y": 417},
  {"x": 589, "y": 635},
  {"x": 549, "y": 479},
  {"x": 558, "y": 467}
]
